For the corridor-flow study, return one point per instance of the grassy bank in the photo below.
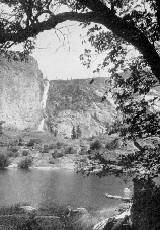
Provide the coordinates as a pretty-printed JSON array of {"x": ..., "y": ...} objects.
[{"x": 25, "y": 149}]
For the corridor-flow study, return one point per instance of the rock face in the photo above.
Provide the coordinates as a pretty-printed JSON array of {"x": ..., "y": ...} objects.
[
  {"x": 76, "y": 103},
  {"x": 73, "y": 103},
  {"x": 21, "y": 91}
]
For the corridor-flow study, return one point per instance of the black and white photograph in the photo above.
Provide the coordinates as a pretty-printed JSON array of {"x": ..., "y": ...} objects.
[{"x": 79, "y": 114}]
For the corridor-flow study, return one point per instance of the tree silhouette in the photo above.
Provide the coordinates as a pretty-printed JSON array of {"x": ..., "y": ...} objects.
[
  {"x": 74, "y": 135},
  {"x": 78, "y": 132},
  {"x": 128, "y": 22}
]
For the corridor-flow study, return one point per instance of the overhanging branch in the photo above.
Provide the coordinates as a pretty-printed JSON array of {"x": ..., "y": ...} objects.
[
  {"x": 22, "y": 34},
  {"x": 106, "y": 17}
]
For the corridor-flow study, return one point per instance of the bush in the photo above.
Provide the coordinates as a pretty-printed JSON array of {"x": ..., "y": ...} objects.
[
  {"x": 13, "y": 149},
  {"x": 30, "y": 223},
  {"x": 83, "y": 150},
  {"x": 33, "y": 141},
  {"x": 57, "y": 154},
  {"x": 13, "y": 209},
  {"x": 46, "y": 148},
  {"x": 4, "y": 161},
  {"x": 52, "y": 146},
  {"x": 51, "y": 161},
  {"x": 95, "y": 145},
  {"x": 25, "y": 153},
  {"x": 59, "y": 145},
  {"x": 11, "y": 154},
  {"x": 70, "y": 150},
  {"x": 25, "y": 163},
  {"x": 112, "y": 145}
]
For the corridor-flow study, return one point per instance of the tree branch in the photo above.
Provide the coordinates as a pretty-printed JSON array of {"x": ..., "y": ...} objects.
[
  {"x": 100, "y": 14},
  {"x": 23, "y": 33},
  {"x": 94, "y": 5},
  {"x": 158, "y": 12}
]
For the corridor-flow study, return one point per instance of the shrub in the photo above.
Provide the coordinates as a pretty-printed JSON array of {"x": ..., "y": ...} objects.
[
  {"x": 46, "y": 148},
  {"x": 33, "y": 141},
  {"x": 51, "y": 161},
  {"x": 83, "y": 150},
  {"x": 112, "y": 144},
  {"x": 70, "y": 150},
  {"x": 57, "y": 154},
  {"x": 4, "y": 161},
  {"x": 25, "y": 153},
  {"x": 13, "y": 209},
  {"x": 78, "y": 132},
  {"x": 11, "y": 154},
  {"x": 95, "y": 145},
  {"x": 25, "y": 163},
  {"x": 74, "y": 135},
  {"x": 52, "y": 146},
  {"x": 13, "y": 143},
  {"x": 13, "y": 149},
  {"x": 89, "y": 139},
  {"x": 30, "y": 223},
  {"x": 59, "y": 145}
]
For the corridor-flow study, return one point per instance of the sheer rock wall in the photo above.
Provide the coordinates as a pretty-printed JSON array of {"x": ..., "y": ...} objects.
[{"x": 21, "y": 91}]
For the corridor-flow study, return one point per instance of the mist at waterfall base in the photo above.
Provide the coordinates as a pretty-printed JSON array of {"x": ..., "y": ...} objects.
[{"x": 44, "y": 102}]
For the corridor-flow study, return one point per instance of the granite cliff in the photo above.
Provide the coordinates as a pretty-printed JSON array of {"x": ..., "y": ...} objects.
[
  {"x": 74, "y": 103},
  {"x": 27, "y": 101},
  {"x": 21, "y": 91}
]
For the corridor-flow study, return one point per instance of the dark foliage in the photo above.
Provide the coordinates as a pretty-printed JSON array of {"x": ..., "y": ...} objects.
[
  {"x": 70, "y": 150},
  {"x": 74, "y": 135},
  {"x": 4, "y": 161},
  {"x": 25, "y": 163},
  {"x": 95, "y": 145}
]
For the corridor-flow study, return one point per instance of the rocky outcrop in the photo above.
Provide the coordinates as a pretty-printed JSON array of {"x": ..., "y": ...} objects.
[
  {"x": 21, "y": 91},
  {"x": 76, "y": 103}
]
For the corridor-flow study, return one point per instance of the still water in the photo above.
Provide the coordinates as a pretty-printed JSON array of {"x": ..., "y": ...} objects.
[{"x": 60, "y": 187}]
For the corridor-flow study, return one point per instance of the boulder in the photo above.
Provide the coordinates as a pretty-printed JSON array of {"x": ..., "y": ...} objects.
[{"x": 21, "y": 92}]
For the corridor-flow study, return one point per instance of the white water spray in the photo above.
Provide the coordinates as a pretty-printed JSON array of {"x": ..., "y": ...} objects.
[{"x": 44, "y": 102}]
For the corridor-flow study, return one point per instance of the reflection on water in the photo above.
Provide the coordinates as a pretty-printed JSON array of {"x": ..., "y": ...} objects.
[{"x": 58, "y": 186}]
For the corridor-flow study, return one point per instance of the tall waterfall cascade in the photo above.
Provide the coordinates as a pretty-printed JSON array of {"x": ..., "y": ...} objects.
[{"x": 44, "y": 102}]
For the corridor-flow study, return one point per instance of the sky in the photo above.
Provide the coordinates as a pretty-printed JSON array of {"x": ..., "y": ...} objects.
[{"x": 57, "y": 53}]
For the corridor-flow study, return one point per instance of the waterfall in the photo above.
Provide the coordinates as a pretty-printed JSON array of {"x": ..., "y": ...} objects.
[{"x": 44, "y": 102}]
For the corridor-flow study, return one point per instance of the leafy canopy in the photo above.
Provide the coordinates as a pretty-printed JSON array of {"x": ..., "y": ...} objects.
[{"x": 126, "y": 21}]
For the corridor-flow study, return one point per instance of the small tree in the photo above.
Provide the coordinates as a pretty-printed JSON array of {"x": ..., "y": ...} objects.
[
  {"x": 25, "y": 163},
  {"x": 74, "y": 135},
  {"x": 78, "y": 132},
  {"x": 4, "y": 161},
  {"x": 95, "y": 145}
]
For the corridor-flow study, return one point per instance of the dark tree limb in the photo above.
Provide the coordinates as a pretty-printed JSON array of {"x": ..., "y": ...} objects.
[{"x": 100, "y": 14}]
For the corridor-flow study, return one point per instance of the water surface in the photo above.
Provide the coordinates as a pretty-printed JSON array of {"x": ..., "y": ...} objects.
[{"x": 58, "y": 186}]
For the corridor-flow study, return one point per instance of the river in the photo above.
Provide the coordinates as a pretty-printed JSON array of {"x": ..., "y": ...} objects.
[{"x": 59, "y": 186}]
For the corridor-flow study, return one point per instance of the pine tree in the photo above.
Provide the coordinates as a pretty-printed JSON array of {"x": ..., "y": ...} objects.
[
  {"x": 73, "y": 136},
  {"x": 78, "y": 132}
]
